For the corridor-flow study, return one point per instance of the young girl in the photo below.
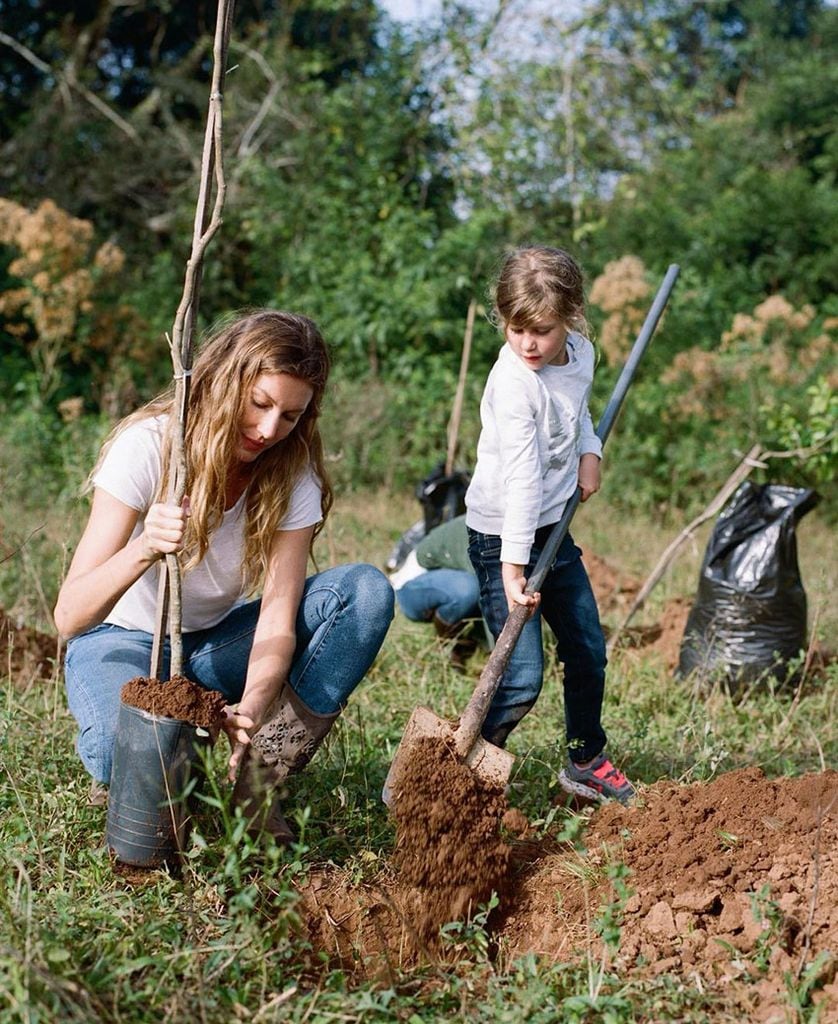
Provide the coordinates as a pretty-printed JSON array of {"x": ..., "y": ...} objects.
[
  {"x": 537, "y": 444},
  {"x": 258, "y": 494}
]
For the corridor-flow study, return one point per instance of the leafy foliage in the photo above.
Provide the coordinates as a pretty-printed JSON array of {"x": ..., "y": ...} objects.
[{"x": 376, "y": 174}]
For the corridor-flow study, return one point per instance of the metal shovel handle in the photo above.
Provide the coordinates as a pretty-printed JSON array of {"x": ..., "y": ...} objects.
[{"x": 474, "y": 715}]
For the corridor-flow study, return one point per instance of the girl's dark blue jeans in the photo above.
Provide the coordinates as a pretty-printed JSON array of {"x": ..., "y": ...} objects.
[{"x": 569, "y": 608}]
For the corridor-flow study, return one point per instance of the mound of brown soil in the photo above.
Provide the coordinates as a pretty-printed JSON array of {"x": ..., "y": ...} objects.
[
  {"x": 25, "y": 653},
  {"x": 664, "y": 637},
  {"x": 735, "y": 880},
  {"x": 178, "y": 698}
]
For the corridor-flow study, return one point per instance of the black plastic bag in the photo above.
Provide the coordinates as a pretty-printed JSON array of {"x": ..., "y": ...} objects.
[
  {"x": 442, "y": 496},
  {"x": 748, "y": 621}
]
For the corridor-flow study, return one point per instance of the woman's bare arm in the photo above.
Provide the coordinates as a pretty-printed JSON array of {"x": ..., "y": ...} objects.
[
  {"x": 107, "y": 562},
  {"x": 275, "y": 638}
]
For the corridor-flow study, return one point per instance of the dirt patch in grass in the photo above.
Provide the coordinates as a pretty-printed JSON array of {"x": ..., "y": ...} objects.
[
  {"x": 26, "y": 654},
  {"x": 178, "y": 698},
  {"x": 732, "y": 883},
  {"x": 662, "y": 637},
  {"x": 614, "y": 590}
]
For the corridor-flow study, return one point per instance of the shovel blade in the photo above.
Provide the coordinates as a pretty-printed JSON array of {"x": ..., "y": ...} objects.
[{"x": 491, "y": 764}]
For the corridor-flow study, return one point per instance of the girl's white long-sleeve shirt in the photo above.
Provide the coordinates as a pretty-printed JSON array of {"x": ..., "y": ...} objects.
[{"x": 535, "y": 427}]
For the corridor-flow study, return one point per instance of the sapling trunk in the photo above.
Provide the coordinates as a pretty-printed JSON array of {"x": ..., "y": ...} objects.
[{"x": 180, "y": 344}]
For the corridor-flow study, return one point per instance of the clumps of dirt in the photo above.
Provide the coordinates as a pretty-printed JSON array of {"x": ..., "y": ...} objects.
[
  {"x": 516, "y": 823},
  {"x": 732, "y": 882},
  {"x": 612, "y": 589},
  {"x": 25, "y": 653},
  {"x": 448, "y": 834},
  {"x": 178, "y": 698},
  {"x": 733, "y": 879}
]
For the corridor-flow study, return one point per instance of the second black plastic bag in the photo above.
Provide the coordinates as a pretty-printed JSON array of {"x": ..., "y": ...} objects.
[{"x": 748, "y": 621}]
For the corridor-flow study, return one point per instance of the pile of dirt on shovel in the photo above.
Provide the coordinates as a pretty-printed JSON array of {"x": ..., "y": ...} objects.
[
  {"x": 177, "y": 697},
  {"x": 449, "y": 847}
]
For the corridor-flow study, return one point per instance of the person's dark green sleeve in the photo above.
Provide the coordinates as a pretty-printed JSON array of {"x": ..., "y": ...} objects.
[{"x": 445, "y": 547}]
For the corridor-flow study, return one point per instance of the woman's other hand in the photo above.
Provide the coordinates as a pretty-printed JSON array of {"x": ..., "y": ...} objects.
[{"x": 239, "y": 729}]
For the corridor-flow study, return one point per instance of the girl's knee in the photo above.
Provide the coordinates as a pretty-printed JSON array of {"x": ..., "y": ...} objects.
[{"x": 528, "y": 690}]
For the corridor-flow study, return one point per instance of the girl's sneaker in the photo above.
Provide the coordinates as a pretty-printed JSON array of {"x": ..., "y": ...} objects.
[{"x": 599, "y": 781}]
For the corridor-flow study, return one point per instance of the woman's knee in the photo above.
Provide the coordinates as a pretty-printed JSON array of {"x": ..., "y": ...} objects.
[
  {"x": 96, "y": 667},
  {"x": 370, "y": 591}
]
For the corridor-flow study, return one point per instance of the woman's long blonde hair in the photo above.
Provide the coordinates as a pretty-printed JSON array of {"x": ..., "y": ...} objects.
[{"x": 233, "y": 356}]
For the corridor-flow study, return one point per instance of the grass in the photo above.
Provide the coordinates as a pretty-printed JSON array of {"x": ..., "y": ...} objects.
[{"x": 224, "y": 942}]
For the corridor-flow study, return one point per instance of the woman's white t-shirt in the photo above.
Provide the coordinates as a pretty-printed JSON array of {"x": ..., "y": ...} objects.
[{"x": 130, "y": 472}]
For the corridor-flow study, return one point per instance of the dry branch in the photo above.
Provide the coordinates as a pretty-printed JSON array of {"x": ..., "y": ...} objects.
[
  {"x": 65, "y": 81},
  {"x": 180, "y": 344}
]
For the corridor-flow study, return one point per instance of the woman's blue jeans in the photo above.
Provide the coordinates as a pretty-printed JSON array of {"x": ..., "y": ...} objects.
[
  {"x": 569, "y": 608},
  {"x": 343, "y": 618},
  {"x": 452, "y": 593}
]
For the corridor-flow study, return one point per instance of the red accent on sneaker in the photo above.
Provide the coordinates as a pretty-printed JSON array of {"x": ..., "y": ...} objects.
[{"x": 606, "y": 773}]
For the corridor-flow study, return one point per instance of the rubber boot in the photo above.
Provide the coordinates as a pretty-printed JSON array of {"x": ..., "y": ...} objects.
[
  {"x": 284, "y": 745},
  {"x": 257, "y": 793},
  {"x": 463, "y": 646}
]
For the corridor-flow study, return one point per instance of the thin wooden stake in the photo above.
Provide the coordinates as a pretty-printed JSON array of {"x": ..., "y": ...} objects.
[{"x": 456, "y": 412}]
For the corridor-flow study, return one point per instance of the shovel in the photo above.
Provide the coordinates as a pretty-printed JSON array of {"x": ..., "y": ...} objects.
[{"x": 493, "y": 764}]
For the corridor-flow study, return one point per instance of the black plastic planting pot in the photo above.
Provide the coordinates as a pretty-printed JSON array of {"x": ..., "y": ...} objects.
[{"x": 150, "y": 796}]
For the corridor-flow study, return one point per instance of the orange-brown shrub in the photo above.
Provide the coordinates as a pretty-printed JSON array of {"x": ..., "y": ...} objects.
[
  {"x": 621, "y": 291},
  {"x": 65, "y": 305},
  {"x": 774, "y": 347}
]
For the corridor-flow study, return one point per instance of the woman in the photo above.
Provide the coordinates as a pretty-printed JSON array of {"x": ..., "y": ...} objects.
[{"x": 258, "y": 495}]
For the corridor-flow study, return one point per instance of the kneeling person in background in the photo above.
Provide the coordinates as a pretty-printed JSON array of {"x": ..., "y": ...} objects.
[{"x": 437, "y": 584}]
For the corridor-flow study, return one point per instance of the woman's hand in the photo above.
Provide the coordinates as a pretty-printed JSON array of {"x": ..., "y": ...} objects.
[
  {"x": 239, "y": 728},
  {"x": 164, "y": 529},
  {"x": 589, "y": 475},
  {"x": 514, "y": 582}
]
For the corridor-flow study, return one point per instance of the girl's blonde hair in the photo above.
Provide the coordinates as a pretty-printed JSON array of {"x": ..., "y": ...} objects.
[
  {"x": 233, "y": 356},
  {"x": 537, "y": 284}
]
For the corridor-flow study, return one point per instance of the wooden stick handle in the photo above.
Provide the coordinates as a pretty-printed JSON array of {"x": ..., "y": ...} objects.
[
  {"x": 457, "y": 411},
  {"x": 472, "y": 719}
]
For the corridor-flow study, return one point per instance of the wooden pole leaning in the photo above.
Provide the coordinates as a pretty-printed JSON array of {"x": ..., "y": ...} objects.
[{"x": 457, "y": 411}]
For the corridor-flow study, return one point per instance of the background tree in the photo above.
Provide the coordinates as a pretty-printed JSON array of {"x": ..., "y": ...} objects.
[{"x": 376, "y": 173}]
